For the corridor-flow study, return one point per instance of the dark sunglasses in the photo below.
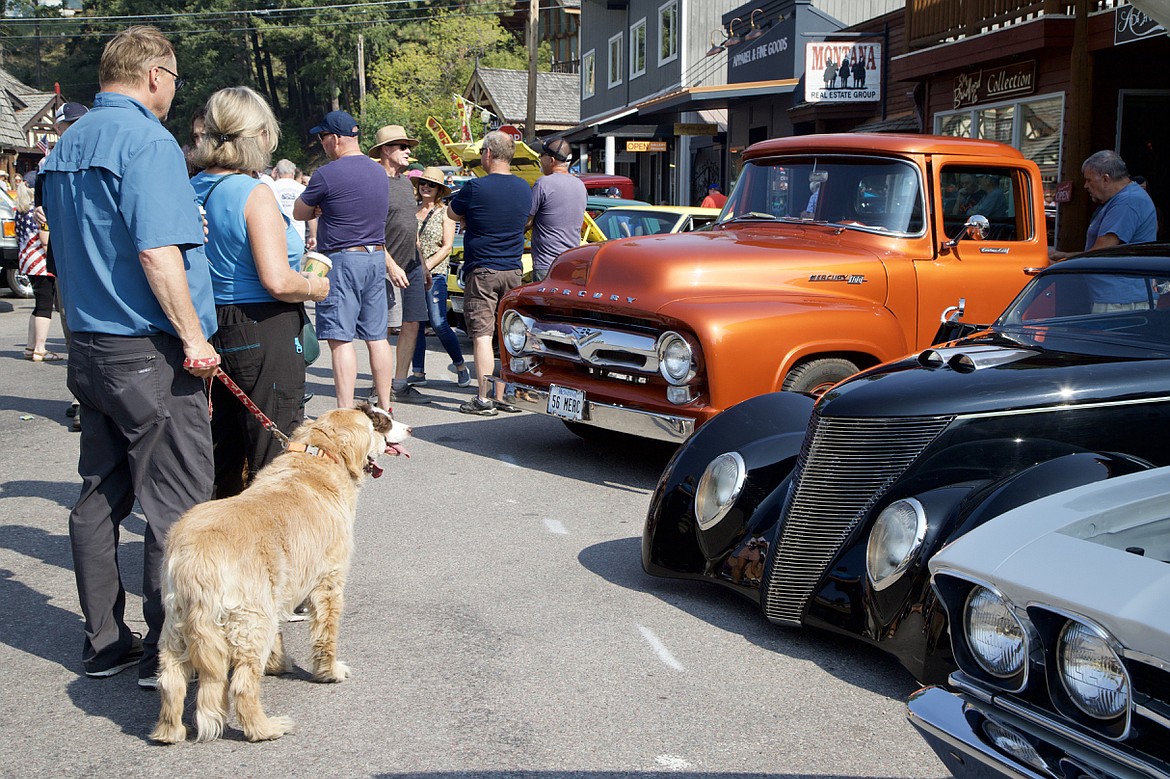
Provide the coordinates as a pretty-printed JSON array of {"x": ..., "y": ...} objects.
[{"x": 179, "y": 81}]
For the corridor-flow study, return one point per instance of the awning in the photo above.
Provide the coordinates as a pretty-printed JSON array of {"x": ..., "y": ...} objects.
[{"x": 716, "y": 96}]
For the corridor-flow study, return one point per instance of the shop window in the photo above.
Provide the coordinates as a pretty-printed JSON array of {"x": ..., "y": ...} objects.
[
  {"x": 615, "y": 60},
  {"x": 667, "y": 32},
  {"x": 638, "y": 48},
  {"x": 996, "y": 193},
  {"x": 588, "y": 74}
]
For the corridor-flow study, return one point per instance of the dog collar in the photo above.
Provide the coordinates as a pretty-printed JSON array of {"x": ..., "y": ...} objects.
[{"x": 316, "y": 451}]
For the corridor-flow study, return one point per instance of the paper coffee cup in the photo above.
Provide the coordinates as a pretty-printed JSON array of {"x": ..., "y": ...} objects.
[{"x": 316, "y": 264}]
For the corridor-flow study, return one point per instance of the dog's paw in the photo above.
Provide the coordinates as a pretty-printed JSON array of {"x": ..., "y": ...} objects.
[
  {"x": 273, "y": 728},
  {"x": 338, "y": 673},
  {"x": 169, "y": 734}
]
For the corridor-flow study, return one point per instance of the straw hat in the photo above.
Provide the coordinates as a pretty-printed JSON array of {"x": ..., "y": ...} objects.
[
  {"x": 434, "y": 176},
  {"x": 393, "y": 133}
]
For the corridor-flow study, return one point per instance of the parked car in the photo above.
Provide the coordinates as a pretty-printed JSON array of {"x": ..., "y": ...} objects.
[
  {"x": 1059, "y": 616},
  {"x": 606, "y": 185},
  {"x": 596, "y": 205},
  {"x": 833, "y": 254},
  {"x": 9, "y": 251},
  {"x": 631, "y": 222},
  {"x": 827, "y": 521}
]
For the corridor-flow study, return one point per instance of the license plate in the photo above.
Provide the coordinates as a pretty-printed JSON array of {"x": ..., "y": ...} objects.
[{"x": 566, "y": 403}]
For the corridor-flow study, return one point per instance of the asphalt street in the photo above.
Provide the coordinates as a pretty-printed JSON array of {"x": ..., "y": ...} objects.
[{"x": 498, "y": 624}]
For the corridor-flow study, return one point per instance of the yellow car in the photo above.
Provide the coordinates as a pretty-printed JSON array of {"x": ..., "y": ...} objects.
[{"x": 631, "y": 221}]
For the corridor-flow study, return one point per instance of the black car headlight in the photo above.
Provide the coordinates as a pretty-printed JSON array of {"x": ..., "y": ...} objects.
[
  {"x": 676, "y": 358},
  {"x": 1092, "y": 672},
  {"x": 995, "y": 636},
  {"x": 514, "y": 329},
  {"x": 894, "y": 542},
  {"x": 719, "y": 486}
]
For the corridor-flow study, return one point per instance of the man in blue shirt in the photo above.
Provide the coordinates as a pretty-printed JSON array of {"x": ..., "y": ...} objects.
[
  {"x": 137, "y": 293},
  {"x": 494, "y": 210}
]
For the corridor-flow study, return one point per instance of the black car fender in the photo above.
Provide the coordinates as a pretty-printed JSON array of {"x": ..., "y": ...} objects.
[
  {"x": 767, "y": 432},
  {"x": 1040, "y": 480}
]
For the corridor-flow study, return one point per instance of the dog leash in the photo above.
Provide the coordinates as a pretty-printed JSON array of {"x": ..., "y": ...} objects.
[{"x": 234, "y": 388}]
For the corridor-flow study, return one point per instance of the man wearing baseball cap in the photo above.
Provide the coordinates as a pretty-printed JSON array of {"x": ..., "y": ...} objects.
[{"x": 353, "y": 198}]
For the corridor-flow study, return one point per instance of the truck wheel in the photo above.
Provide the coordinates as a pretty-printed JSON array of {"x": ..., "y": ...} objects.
[
  {"x": 816, "y": 376},
  {"x": 18, "y": 283}
]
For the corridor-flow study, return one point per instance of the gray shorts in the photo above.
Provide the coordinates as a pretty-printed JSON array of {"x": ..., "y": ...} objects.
[{"x": 408, "y": 304}]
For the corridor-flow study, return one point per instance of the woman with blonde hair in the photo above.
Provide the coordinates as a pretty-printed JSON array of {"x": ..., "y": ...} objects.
[
  {"x": 32, "y": 238},
  {"x": 253, "y": 251}
]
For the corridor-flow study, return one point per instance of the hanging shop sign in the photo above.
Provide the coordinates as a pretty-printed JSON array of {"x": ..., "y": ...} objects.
[
  {"x": 983, "y": 86},
  {"x": 772, "y": 55},
  {"x": 832, "y": 75},
  {"x": 696, "y": 129},
  {"x": 1131, "y": 25},
  {"x": 645, "y": 145}
]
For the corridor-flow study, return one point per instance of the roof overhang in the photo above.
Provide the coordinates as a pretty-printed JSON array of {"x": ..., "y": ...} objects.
[{"x": 716, "y": 96}]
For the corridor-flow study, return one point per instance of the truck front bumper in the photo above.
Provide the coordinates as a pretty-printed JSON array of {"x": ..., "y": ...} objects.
[{"x": 645, "y": 424}]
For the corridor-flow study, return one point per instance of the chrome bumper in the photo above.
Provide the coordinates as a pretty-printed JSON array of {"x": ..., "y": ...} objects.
[
  {"x": 645, "y": 424},
  {"x": 948, "y": 723}
]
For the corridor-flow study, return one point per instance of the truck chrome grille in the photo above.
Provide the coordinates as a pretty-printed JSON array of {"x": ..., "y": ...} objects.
[
  {"x": 590, "y": 344},
  {"x": 845, "y": 466}
]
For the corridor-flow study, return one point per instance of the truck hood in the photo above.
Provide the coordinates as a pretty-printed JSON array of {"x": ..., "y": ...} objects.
[
  {"x": 647, "y": 273},
  {"x": 993, "y": 374}
]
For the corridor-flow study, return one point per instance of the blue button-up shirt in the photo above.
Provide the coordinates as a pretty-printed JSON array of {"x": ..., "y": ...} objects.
[{"x": 116, "y": 185}]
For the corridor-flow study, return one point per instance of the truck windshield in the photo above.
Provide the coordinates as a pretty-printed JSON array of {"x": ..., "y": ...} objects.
[{"x": 867, "y": 193}]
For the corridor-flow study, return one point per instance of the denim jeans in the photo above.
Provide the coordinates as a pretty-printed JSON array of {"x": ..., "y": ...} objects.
[{"x": 437, "y": 309}]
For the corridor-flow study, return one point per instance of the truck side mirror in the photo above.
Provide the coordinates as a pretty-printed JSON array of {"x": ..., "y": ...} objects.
[{"x": 976, "y": 227}]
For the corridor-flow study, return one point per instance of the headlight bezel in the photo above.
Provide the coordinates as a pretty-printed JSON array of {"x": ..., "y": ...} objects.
[
  {"x": 511, "y": 317},
  {"x": 882, "y": 580},
  {"x": 705, "y": 519},
  {"x": 666, "y": 341}
]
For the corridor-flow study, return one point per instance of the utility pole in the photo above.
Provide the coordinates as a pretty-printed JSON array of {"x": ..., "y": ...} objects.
[
  {"x": 361, "y": 69},
  {"x": 1074, "y": 214},
  {"x": 533, "y": 25}
]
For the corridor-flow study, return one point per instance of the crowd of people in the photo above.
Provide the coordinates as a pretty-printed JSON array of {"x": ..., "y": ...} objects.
[{"x": 172, "y": 266}]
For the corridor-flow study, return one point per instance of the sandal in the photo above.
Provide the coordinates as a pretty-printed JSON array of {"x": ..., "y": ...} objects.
[{"x": 45, "y": 356}]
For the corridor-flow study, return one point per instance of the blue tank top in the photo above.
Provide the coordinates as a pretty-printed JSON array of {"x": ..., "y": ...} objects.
[{"x": 234, "y": 278}]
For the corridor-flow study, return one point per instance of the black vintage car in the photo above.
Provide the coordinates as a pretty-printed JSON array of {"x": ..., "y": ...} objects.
[{"x": 825, "y": 512}]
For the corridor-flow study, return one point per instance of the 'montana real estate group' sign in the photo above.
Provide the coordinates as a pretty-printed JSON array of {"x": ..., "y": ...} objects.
[{"x": 842, "y": 72}]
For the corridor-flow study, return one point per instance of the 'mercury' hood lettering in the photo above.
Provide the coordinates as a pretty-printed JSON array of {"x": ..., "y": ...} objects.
[{"x": 586, "y": 293}]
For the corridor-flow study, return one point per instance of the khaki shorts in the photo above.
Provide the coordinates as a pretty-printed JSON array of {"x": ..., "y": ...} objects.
[{"x": 481, "y": 297}]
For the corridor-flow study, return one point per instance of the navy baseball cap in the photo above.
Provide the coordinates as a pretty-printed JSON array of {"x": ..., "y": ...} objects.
[
  {"x": 338, "y": 123},
  {"x": 70, "y": 112}
]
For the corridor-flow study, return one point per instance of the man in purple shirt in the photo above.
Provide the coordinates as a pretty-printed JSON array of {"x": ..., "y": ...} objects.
[{"x": 352, "y": 197}]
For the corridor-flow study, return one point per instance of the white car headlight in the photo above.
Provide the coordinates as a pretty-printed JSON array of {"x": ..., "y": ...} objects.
[
  {"x": 515, "y": 332},
  {"x": 994, "y": 634},
  {"x": 894, "y": 541},
  {"x": 1093, "y": 675},
  {"x": 676, "y": 359},
  {"x": 719, "y": 486}
]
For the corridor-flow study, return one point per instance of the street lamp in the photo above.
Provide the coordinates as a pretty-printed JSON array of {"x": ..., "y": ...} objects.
[
  {"x": 717, "y": 47},
  {"x": 733, "y": 39}
]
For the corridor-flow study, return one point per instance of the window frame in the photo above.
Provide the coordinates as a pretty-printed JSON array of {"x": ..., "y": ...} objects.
[
  {"x": 669, "y": 7},
  {"x": 588, "y": 74},
  {"x": 635, "y": 28},
  {"x": 615, "y": 65}
]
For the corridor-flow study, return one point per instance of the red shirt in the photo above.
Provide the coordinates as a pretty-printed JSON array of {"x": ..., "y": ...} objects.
[{"x": 714, "y": 199}]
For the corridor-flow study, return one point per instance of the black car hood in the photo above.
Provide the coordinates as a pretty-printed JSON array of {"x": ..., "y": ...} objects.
[{"x": 999, "y": 375}]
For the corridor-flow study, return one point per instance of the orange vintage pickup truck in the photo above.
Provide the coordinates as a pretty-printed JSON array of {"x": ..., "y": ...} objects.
[{"x": 834, "y": 253}]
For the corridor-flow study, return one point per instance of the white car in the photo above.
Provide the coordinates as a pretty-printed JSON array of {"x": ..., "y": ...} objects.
[
  {"x": 1059, "y": 615},
  {"x": 9, "y": 251}
]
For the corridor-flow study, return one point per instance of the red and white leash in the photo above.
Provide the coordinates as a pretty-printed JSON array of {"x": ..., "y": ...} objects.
[{"x": 234, "y": 388}]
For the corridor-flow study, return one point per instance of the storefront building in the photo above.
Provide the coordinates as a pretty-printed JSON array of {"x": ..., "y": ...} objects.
[{"x": 1056, "y": 80}]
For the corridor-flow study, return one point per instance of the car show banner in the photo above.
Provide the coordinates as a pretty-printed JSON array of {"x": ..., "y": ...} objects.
[
  {"x": 842, "y": 72},
  {"x": 444, "y": 139}
]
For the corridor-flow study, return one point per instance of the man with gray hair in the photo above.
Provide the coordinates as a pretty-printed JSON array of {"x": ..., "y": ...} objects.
[
  {"x": 558, "y": 207},
  {"x": 287, "y": 189},
  {"x": 494, "y": 210},
  {"x": 1127, "y": 213}
]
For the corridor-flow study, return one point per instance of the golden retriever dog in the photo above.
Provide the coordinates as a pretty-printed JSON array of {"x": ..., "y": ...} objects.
[{"x": 233, "y": 568}]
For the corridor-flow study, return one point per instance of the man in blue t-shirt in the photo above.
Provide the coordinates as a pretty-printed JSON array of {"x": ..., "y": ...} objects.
[
  {"x": 494, "y": 211},
  {"x": 351, "y": 194},
  {"x": 137, "y": 292},
  {"x": 1127, "y": 215}
]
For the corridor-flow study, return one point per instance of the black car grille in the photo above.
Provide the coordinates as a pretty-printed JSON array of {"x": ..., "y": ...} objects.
[{"x": 845, "y": 466}]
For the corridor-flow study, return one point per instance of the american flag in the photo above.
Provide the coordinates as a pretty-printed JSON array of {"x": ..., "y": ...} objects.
[{"x": 43, "y": 144}]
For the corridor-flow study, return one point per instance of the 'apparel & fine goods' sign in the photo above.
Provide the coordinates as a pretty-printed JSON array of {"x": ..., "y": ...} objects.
[{"x": 826, "y": 81}]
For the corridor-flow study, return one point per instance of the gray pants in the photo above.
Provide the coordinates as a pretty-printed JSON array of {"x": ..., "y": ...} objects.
[{"x": 146, "y": 436}]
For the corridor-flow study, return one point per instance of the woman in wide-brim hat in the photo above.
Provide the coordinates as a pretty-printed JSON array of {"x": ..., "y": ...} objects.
[{"x": 436, "y": 236}]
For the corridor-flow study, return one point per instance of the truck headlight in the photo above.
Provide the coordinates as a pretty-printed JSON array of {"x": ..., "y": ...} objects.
[
  {"x": 894, "y": 541},
  {"x": 994, "y": 635},
  {"x": 676, "y": 359},
  {"x": 719, "y": 486},
  {"x": 1092, "y": 673},
  {"x": 515, "y": 332}
]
